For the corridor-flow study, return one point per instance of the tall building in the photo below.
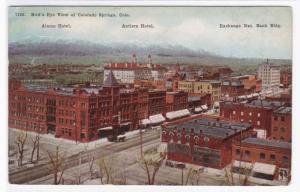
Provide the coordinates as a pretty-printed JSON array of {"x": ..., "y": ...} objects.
[{"x": 269, "y": 74}]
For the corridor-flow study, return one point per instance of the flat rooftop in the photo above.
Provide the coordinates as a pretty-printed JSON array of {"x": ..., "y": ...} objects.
[
  {"x": 211, "y": 127},
  {"x": 269, "y": 143},
  {"x": 284, "y": 110},
  {"x": 265, "y": 104}
]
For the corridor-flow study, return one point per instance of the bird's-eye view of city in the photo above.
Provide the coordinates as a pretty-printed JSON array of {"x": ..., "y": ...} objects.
[{"x": 183, "y": 101}]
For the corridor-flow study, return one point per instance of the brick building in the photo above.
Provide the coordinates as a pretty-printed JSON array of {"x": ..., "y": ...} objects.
[
  {"x": 257, "y": 112},
  {"x": 281, "y": 125},
  {"x": 240, "y": 85},
  {"x": 197, "y": 100},
  {"x": 268, "y": 159},
  {"x": 176, "y": 101},
  {"x": 156, "y": 102},
  {"x": 286, "y": 78},
  {"x": 202, "y": 141},
  {"x": 82, "y": 114}
]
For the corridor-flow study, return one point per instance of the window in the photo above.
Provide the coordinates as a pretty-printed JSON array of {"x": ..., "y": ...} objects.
[
  {"x": 285, "y": 159},
  {"x": 237, "y": 152},
  {"x": 233, "y": 112},
  {"x": 275, "y": 129},
  {"x": 275, "y": 118},
  {"x": 242, "y": 113},
  {"x": 250, "y": 114},
  {"x": 258, "y": 114},
  {"x": 282, "y": 118},
  {"x": 281, "y": 138},
  {"x": 258, "y": 122},
  {"x": 282, "y": 129},
  {"x": 247, "y": 153},
  {"x": 272, "y": 157},
  {"x": 262, "y": 156}
]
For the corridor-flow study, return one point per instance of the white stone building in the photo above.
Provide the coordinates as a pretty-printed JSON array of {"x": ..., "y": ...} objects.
[{"x": 269, "y": 74}]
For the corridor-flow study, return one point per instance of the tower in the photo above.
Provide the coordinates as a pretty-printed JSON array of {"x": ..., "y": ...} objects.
[
  {"x": 112, "y": 88},
  {"x": 149, "y": 60},
  {"x": 134, "y": 59}
]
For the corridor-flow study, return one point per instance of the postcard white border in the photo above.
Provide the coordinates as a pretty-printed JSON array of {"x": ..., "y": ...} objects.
[{"x": 4, "y": 186}]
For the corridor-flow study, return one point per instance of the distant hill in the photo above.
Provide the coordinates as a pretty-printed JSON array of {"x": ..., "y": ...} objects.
[{"x": 57, "y": 51}]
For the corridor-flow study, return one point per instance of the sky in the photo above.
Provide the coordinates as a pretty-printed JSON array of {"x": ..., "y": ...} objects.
[{"x": 197, "y": 28}]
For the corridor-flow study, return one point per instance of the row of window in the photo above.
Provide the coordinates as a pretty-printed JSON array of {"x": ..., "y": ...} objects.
[
  {"x": 282, "y": 129},
  {"x": 276, "y": 118},
  {"x": 66, "y": 131},
  {"x": 242, "y": 113},
  {"x": 262, "y": 156},
  {"x": 66, "y": 112},
  {"x": 66, "y": 121}
]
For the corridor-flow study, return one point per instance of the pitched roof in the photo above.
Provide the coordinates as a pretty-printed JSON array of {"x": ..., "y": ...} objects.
[{"x": 110, "y": 80}]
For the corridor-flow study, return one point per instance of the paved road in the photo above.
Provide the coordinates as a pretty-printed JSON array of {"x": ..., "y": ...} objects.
[{"x": 39, "y": 171}]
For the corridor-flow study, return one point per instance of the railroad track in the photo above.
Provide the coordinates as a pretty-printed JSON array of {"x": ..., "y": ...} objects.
[{"x": 42, "y": 170}]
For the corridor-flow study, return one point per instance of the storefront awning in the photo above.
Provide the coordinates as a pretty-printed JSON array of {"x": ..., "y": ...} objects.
[
  {"x": 216, "y": 104},
  {"x": 198, "y": 109},
  {"x": 204, "y": 107},
  {"x": 146, "y": 121},
  {"x": 242, "y": 164},
  {"x": 264, "y": 168},
  {"x": 176, "y": 114},
  {"x": 126, "y": 123},
  {"x": 105, "y": 128},
  {"x": 156, "y": 119}
]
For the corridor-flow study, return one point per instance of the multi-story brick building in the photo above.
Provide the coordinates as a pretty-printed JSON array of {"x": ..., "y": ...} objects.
[
  {"x": 268, "y": 159},
  {"x": 197, "y": 99},
  {"x": 156, "y": 102},
  {"x": 202, "y": 141},
  {"x": 240, "y": 85},
  {"x": 257, "y": 112},
  {"x": 176, "y": 101},
  {"x": 281, "y": 125},
  {"x": 286, "y": 78},
  {"x": 82, "y": 114}
]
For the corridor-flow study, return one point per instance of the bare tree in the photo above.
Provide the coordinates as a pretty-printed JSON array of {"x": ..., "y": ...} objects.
[
  {"x": 243, "y": 172},
  {"x": 195, "y": 176},
  {"x": 35, "y": 147},
  {"x": 57, "y": 165},
  {"x": 91, "y": 163},
  {"x": 106, "y": 165},
  {"x": 151, "y": 162},
  {"x": 20, "y": 142}
]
